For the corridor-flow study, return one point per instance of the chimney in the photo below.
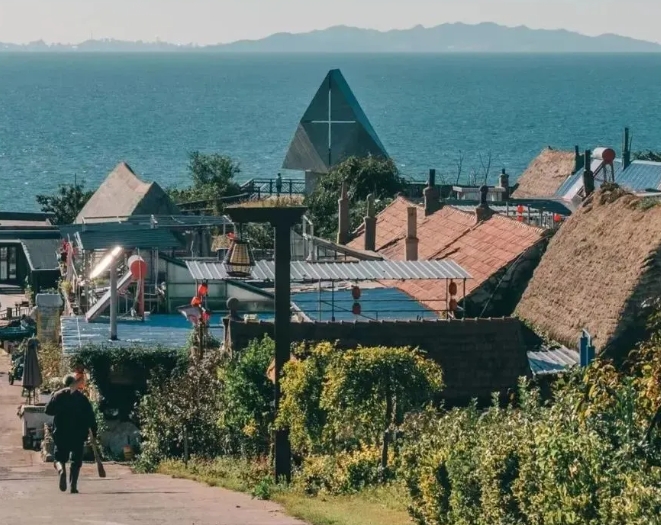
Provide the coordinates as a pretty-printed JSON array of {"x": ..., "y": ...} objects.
[
  {"x": 588, "y": 176},
  {"x": 482, "y": 211},
  {"x": 626, "y": 150},
  {"x": 504, "y": 182},
  {"x": 412, "y": 233},
  {"x": 370, "y": 225},
  {"x": 431, "y": 194},
  {"x": 579, "y": 160},
  {"x": 343, "y": 216}
]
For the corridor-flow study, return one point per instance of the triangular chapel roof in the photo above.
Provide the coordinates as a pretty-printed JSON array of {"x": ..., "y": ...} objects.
[{"x": 333, "y": 128}]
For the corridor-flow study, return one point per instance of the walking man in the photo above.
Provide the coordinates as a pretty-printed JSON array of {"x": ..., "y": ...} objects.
[{"x": 73, "y": 418}]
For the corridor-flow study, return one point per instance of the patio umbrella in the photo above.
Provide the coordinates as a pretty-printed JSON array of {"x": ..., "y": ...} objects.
[{"x": 32, "y": 378}]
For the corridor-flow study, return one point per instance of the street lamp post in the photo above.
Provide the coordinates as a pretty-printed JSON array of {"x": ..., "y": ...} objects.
[{"x": 282, "y": 218}]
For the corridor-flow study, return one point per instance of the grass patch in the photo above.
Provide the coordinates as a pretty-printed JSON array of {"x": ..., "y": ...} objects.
[{"x": 374, "y": 506}]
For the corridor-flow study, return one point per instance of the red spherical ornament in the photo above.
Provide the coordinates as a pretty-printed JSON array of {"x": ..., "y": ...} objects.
[
  {"x": 355, "y": 292},
  {"x": 206, "y": 316},
  {"x": 356, "y": 309},
  {"x": 452, "y": 288},
  {"x": 453, "y": 305},
  {"x": 196, "y": 301},
  {"x": 203, "y": 290}
]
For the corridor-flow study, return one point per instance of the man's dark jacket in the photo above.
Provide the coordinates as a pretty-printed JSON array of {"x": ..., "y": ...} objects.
[{"x": 73, "y": 416}]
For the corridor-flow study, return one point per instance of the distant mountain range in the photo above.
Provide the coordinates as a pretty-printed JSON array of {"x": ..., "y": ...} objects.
[{"x": 446, "y": 38}]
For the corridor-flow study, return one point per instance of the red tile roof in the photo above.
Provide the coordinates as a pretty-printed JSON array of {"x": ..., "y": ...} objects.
[{"x": 481, "y": 249}]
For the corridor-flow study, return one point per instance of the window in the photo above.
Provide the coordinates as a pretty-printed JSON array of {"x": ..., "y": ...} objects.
[{"x": 3, "y": 263}]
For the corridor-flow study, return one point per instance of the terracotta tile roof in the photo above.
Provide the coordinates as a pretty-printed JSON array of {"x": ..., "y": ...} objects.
[{"x": 481, "y": 249}]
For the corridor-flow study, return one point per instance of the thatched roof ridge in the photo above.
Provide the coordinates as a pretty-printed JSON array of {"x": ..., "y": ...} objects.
[
  {"x": 124, "y": 194},
  {"x": 545, "y": 174},
  {"x": 601, "y": 272}
]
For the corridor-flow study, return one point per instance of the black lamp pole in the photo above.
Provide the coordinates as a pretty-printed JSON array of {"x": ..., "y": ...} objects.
[
  {"x": 282, "y": 340},
  {"x": 282, "y": 218}
]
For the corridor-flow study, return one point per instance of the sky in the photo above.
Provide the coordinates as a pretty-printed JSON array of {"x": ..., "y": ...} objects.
[{"x": 219, "y": 21}]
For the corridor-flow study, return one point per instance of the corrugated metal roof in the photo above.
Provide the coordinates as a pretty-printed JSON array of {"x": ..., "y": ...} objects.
[
  {"x": 158, "y": 239},
  {"x": 641, "y": 175},
  {"x": 165, "y": 331},
  {"x": 553, "y": 360},
  {"x": 41, "y": 253},
  {"x": 301, "y": 271},
  {"x": 143, "y": 222},
  {"x": 16, "y": 235}
]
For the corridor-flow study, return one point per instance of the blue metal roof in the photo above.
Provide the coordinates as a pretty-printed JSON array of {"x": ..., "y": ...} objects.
[
  {"x": 641, "y": 175},
  {"x": 165, "y": 331},
  {"x": 128, "y": 238},
  {"x": 376, "y": 303},
  {"x": 552, "y": 360}
]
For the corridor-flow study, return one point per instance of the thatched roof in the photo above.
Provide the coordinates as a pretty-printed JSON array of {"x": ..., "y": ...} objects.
[
  {"x": 545, "y": 174},
  {"x": 600, "y": 272},
  {"x": 123, "y": 194}
]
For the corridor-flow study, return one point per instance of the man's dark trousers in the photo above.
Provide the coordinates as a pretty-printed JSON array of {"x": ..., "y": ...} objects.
[{"x": 65, "y": 450}]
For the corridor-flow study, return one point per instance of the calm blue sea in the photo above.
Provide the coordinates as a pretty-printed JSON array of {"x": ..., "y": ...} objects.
[{"x": 67, "y": 116}]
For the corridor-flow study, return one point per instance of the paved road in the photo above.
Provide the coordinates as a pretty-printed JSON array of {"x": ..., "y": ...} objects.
[{"x": 29, "y": 493}]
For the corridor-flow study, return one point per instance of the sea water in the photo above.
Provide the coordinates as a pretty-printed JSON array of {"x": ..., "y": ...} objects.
[{"x": 68, "y": 117}]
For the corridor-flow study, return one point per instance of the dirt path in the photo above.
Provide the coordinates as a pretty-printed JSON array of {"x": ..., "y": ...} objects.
[{"x": 29, "y": 492}]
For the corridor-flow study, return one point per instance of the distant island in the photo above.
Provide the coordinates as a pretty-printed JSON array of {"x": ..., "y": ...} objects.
[{"x": 446, "y": 38}]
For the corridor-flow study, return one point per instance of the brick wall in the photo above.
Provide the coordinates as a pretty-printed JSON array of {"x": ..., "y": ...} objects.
[{"x": 478, "y": 356}]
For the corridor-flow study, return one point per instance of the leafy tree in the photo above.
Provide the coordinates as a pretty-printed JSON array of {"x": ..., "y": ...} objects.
[
  {"x": 654, "y": 156},
  {"x": 212, "y": 177},
  {"x": 66, "y": 203},
  {"x": 364, "y": 176},
  {"x": 340, "y": 400}
]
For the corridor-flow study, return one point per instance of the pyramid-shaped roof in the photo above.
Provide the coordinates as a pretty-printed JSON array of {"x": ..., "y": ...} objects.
[
  {"x": 123, "y": 194},
  {"x": 333, "y": 128}
]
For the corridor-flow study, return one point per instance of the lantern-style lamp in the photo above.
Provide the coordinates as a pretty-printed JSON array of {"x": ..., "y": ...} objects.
[{"x": 239, "y": 260}]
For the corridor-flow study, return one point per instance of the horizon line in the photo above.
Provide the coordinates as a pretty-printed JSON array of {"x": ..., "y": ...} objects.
[{"x": 157, "y": 41}]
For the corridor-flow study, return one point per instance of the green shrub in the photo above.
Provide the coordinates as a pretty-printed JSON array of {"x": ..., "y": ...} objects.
[
  {"x": 246, "y": 419},
  {"x": 137, "y": 364},
  {"x": 181, "y": 410},
  {"x": 589, "y": 457}
]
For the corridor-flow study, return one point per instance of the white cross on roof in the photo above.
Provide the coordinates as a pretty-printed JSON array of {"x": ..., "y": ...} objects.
[{"x": 330, "y": 122}]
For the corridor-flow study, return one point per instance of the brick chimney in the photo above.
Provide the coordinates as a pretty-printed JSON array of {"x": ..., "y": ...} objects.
[
  {"x": 626, "y": 150},
  {"x": 504, "y": 182},
  {"x": 483, "y": 212},
  {"x": 412, "y": 233},
  {"x": 370, "y": 225},
  {"x": 431, "y": 194},
  {"x": 588, "y": 176},
  {"x": 343, "y": 216}
]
